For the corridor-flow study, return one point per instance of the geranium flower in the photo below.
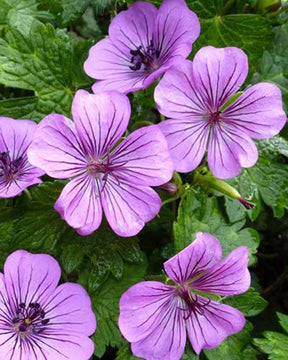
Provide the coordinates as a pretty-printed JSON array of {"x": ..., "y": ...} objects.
[
  {"x": 143, "y": 43},
  {"x": 16, "y": 173},
  {"x": 154, "y": 317},
  {"x": 117, "y": 179},
  {"x": 38, "y": 319},
  {"x": 193, "y": 96}
]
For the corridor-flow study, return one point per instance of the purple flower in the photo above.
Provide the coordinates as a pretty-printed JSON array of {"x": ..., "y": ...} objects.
[
  {"x": 154, "y": 317},
  {"x": 16, "y": 173},
  {"x": 193, "y": 96},
  {"x": 115, "y": 178},
  {"x": 143, "y": 43},
  {"x": 38, "y": 319}
]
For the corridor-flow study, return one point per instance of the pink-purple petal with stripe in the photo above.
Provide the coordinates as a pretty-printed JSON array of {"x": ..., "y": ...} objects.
[
  {"x": 127, "y": 206},
  {"x": 209, "y": 328},
  {"x": 187, "y": 141},
  {"x": 30, "y": 278},
  {"x": 229, "y": 277},
  {"x": 229, "y": 150},
  {"x": 134, "y": 27},
  {"x": 176, "y": 28},
  {"x": 68, "y": 309},
  {"x": 79, "y": 204},
  {"x": 56, "y": 148},
  {"x": 204, "y": 252},
  {"x": 100, "y": 120},
  {"x": 258, "y": 111},
  {"x": 151, "y": 320},
  {"x": 143, "y": 158},
  {"x": 175, "y": 95},
  {"x": 219, "y": 73}
]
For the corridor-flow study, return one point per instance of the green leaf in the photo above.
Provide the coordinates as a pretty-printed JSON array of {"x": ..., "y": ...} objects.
[
  {"x": 20, "y": 14},
  {"x": 249, "y": 32},
  {"x": 267, "y": 181},
  {"x": 46, "y": 62},
  {"x": 250, "y": 303},
  {"x": 125, "y": 354},
  {"x": 236, "y": 347},
  {"x": 72, "y": 257},
  {"x": 106, "y": 306},
  {"x": 274, "y": 344},
  {"x": 198, "y": 212},
  {"x": 73, "y": 10},
  {"x": 283, "y": 319},
  {"x": 273, "y": 66}
]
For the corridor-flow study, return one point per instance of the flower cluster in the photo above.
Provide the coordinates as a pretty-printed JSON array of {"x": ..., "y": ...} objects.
[{"x": 109, "y": 170}]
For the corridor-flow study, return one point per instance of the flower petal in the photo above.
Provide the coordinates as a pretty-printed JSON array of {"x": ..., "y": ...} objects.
[
  {"x": 79, "y": 204},
  {"x": 143, "y": 158},
  {"x": 30, "y": 278},
  {"x": 56, "y": 149},
  {"x": 204, "y": 252},
  {"x": 228, "y": 277},
  {"x": 207, "y": 330},
  {"x": 258, "y": 111},
  {"x": 107, "y": 62},
  {"x": 59, "y": 346},
  {"x": 175, "y": 95},
  {"x": 15, "y": 138},
  {"x": 134, "y": 27},
  {"x": 187, "y": 141},
  {"x": 229, "y": 150},
  {"x": 100, "y": 119},
  {"x": 68, "y": 309},
  {"x": 175, "y": 30},
  {"x": 219, "y": 73},
  {"x": 128, "y": 207},
  {"x": 151, "y": 320}
]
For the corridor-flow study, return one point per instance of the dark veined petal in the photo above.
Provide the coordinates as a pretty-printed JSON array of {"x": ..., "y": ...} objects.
[
  {"x": 143, "y": 158},
  {"x": 204, "y": 252},
  {"x": 79, "y": 204},
  {"x": 229, "y": 150},
  {"x": 151, "y": 320},
  {"x": 128, "y": 206},
  {"x": 187, "y": 141},
  {"x": 175, "y": 95},
  {"x": 175, "y": 30},
  {"x": 258, "y": 111},
  {"x": 69, "y": 310},
  {"x": 106, "y": 61},
  {"x": 57, "y": 346},
  {"x": 219, "y": 73},
  {"x": 100, "y": 119},
  {"x": 229, "y": 277},
  {"x": 134, "y": 27},
  {"x": 30, "y": 278},
  {"x": 208, "y": 327},
  {"x": 15, "y": 138},
  {"x": 56, "y": 148}
]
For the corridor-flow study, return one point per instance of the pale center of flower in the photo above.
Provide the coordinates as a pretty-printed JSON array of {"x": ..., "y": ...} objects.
[
  {"x": 97, "y": 167},
  {"x": 191, "y": 302},
  {"x": 29, "y": 319},
  {"x": 146, "y": 59},
  {"x": 9, "y": 168}
]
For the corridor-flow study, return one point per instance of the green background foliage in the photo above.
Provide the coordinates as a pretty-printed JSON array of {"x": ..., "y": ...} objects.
[{"x": 43, "y": 44}]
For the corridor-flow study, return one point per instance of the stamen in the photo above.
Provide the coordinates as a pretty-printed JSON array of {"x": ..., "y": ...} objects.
[{"x": 148, "y": 58}]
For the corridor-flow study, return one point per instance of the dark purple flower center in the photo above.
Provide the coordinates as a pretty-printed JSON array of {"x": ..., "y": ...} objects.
[
  {"x": 146, "y": 59},
  {"x": 215, "y": 117},
  {"x": 9, "y": 168},
  {"x": 191, "y": 302},
  {"x": 29, "y": 319}
]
